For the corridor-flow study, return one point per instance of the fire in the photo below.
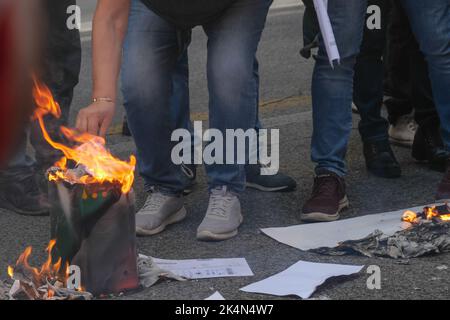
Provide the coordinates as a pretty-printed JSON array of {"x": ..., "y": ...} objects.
[
  {"x": 410, "y": 217},
  {"x": 429, "y": 213},
  {"x": 89, "y": 150},
  {"x": 48, "y": 271}
]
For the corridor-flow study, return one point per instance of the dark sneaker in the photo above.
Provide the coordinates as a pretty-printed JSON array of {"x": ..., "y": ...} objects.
[
  {"x": 328, "y": 199},
  {"x": 268, "y": 183},
  {"x": 381, "y": 161},
  {"x": 443, "y": 191},
  {"x": 428, "y": 147},
  {"x": 21, "y": 194}
]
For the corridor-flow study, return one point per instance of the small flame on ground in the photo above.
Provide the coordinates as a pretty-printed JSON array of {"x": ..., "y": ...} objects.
[
  {"x": 410, "y": 216},
  {"x": 48, "y": 270},
  {"x": 89, "y": 150},
  {"x": 429, "y": 213}
]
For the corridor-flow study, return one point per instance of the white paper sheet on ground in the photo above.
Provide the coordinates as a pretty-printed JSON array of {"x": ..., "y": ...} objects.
[
  {"x": 216, "y": 296},
  {"x": 206, "y": 268},
  {"x": 330, "y": 234},
  {"x": 326, "y": 29},
  {"x": 301, "y": 279}
]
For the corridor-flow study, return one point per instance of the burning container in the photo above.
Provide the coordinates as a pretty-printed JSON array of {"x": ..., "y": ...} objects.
[
  {"x": 92, "y": 205},
  {"x": 94, "y": 229}
]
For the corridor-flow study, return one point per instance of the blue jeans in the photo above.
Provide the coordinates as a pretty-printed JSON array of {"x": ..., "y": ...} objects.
[
  {"x": 151, "y": 53},
  {"x": 180, "y": 97},
  {"x": 430, "y": 23},
  {"x": 332, "y": 88}
]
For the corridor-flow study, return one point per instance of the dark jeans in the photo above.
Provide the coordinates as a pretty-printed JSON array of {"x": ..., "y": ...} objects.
[
  {"x": 310, "y": 24},
  {"x": 368, "y": 79},
  {"x": 59, "y": 70},
  {"x": 407, "y": 82}
]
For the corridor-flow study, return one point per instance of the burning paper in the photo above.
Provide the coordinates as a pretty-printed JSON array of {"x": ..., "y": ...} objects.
[
  {"x": 92, "y": 215},
  {"x": 330, "y": 234},
  {"x": 301, "y": 279},
  {"x": 95, "y": 230},
  {"x": 88, "y": 150},
  {"x": 435, "y": 213},
  {"x": 423, "y": 238},
  {"x": 46, "y": 283}
]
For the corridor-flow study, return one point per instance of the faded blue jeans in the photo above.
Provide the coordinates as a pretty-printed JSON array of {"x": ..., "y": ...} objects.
[
  {"x": 332, "y": 88},
  {"x": 180, "y": 97},
  {"x": 151, "y": 53},
  {"x": 430, "y": 23}
]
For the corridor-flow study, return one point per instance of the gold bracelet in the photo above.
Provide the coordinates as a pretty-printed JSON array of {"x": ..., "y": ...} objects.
[{"x": 102, "y": 99}]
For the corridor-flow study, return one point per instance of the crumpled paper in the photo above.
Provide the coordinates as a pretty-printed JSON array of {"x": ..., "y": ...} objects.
[
  {"x": 4, "y": 291},
  {"x": 425, "y": 238},
  {"x": 150, "y": 273}
]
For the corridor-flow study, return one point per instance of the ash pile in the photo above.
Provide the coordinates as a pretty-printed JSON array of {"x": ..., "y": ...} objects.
[{"x": 428, "y": 234}]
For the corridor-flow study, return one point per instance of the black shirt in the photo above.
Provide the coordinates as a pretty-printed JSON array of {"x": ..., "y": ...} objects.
[{"x": 188, "y": 13}]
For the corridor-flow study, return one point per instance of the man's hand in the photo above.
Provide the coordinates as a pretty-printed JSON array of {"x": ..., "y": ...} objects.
[{"x": 96, "y": 118}]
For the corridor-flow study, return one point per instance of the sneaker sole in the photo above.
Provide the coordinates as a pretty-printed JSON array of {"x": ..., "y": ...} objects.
[
  {"x": 323, "y": 217},
  {"x": 401, "y": 143},
  {"x": 177, "y": 217},
  {"x": 269, "y": 189},
  {"x": 210, "y": 236}
]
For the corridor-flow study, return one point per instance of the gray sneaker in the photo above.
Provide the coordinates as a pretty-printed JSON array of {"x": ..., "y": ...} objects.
[
  {"x": 158, "y": 212},
  {"x": 223, "y": 216}
]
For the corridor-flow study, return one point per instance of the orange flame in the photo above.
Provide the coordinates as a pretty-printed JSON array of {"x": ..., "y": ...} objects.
[
  {"x": 47, "y": 271},
  {"x": 89, "y": 150},
  {"x": 428, "y": 213},
  {"x": 409, "y": 216},
  {"x": 431, "y": 213},
  {"x": 10, "y": 271}
]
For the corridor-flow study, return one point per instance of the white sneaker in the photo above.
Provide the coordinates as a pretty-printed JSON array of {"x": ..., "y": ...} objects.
[
  {"x": 403, "y": 132},
  {"x": 158, "y": 212},
  {"x": 223, "y": 216}
]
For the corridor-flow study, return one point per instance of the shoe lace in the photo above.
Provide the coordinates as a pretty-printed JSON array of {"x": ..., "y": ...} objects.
[
  {"x": 324, "y": 185},
  {"x": 155, "y": 201},
  {"x": 219, "y": 203}
]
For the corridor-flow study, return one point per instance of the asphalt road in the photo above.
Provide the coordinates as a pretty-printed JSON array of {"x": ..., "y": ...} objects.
[{"x": 284, "y": 74}]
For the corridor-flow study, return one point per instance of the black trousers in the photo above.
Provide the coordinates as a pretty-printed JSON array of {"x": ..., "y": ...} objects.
[
  {"x": 58, "y": 67},
  {"x": 407, "y": 83},
  {"x": 59, "y": 70},
  {"x": 368, "y": 79}
]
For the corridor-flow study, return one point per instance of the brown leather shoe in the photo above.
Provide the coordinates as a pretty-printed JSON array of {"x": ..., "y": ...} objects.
[
  {"x": 443, "y": 191},
  {"x": 328, "y": 199}
]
